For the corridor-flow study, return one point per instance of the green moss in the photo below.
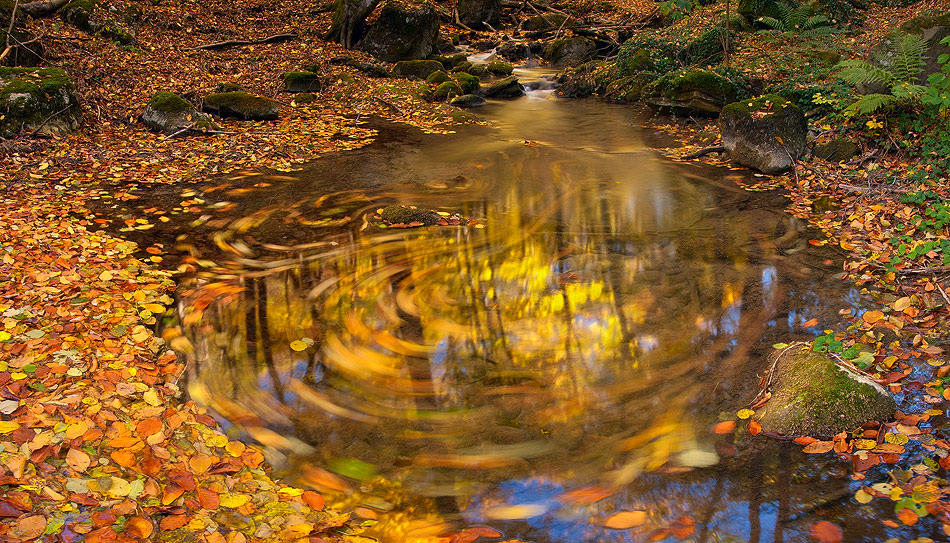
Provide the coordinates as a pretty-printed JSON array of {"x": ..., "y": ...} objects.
[
  {"x": 397, "y": 214},
  {"x": 463, "y": 67},
  {"x": 499, "y": 67},
  {"x": 169, "y": 102},
  {"x": 241, "y": 105},
  {"x": 630, "y": 61},
  {"x": 301, "y": 82},
  {"x": 437, "y": 78},
  {"x": 229, "y": 87},
  {"x": 451, "y": 61},
  {"x": 416, "y": 69},
  {"x": 446, "y": 90},
  {"x": 467, "y": 82},
  {"x": 771, "y": 103},
  {"x": 29, "y": 96}
]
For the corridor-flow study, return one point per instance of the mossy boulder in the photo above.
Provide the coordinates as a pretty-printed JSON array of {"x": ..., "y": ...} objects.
[
  {"x": 446, "y": 90},
  {"x": 37, "y": 99},
  {"x": 241, "y": 105},
  {"x": 169, "y": 114},
  {"x": 463, "y": 67},
  {"x": 587, "y": 79},
  {"x": 836, "y": 150},
  {"x": 628, "y": 89},
  {"x": 766, "y": 133},
  {"x": 499, "y": 67},
  {"x": 437, "y": 78},
  {"x": 691, "y": 91},
  {"x": 468, "y": 101},
  {"x": 451, "y": 61},
  {"x": 570, "y": 51},
  {"x": 633, "y": 60},
  {"x": 404, "y": 30},
  {"x": 812, "y": 395},
  {"x": 228, "y": 87},
  {"x": 475, "y": 13},
  {"x": 416, "y": 69},
  {"x": 547, "y": 22},
  {"x": 708, "y": 47},
  {"x": 368, "y": 68},
  {"x": 468, "y": 82},
  {"x": 514, "y": 51},
  {"x": 303, "y": 81},
  {"x": 398, "y": 214},
  {"x": 305, "y": 97},
  {"x": 88, "y": 16},
  {"x": 508, "y": 87}
]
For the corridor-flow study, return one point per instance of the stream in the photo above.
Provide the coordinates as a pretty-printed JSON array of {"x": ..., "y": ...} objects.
[{"x": 558, "y": 357}]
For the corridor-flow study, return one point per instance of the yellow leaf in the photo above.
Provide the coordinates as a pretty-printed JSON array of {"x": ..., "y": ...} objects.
[
  {"x": 862, "y": 497},
  {"x": 154, "y": 308},
  {"x": 626, "y": 519},
  {"x": 745, "y": 413},
  {"x": 8, "y": 426},
  {"x": 291, "y": 491},
  {"x": 235, "y": 500},
  {"x": 298, "y": 345}
]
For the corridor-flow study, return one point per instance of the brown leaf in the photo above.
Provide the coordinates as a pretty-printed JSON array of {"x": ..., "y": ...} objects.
[
  {"x": 173, "y": 522},
  {"x": 819, "y": 447},
  {"x": 313, "y": 500},
  {"x": 208, "y": 498},
  {"x": 183, "y": 479},
  {"x": 723, "y": 427},
  {"x": 30, "y": 527},
  {"x": 139, "y": 527},
  {"x": 172, "y": 493},
  {"x": 78, "y": 460}
]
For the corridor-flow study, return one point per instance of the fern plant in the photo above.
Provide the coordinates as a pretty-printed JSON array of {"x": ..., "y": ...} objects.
[
  {"x": 796, "y": 18},
  {"x": 893, "y": 75}
]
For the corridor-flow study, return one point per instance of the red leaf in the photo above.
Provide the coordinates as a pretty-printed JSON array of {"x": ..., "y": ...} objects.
[{"x": 826, "y": 532}]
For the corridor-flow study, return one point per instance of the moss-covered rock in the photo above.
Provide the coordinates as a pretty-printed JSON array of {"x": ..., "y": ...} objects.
[
  {"x": 88, "y": 16},
  {"x": 633, "y": 60},
  {"x": 708, "y": 47},
  {"x": 813, "y": 395},
  {"x": 303, "y": 81},
  {"x": 766, "y": 133},
  {"x": 480, "y": 71},
  {"x": 417, "y": 69},
  {"x": 305, "y": 97},
  {"x": 468, "y": 82},
  {"x": 836, "y": 150},
  {"x": 437, "y": 78},
  {"x": 514, "y": 51},
  {"x": 499, "y": 67},
  {"x": 37, "y": 99},
  {"x": 397, "y": 214},
  {"x": 228, "y": 87},
  {"x": 368, "y": 68},
  {"x": 451, "y": 61},
  {"x": 446, "y": 90},
  {"x": 169, "y": 114},
  {"x": 587, "y": 79},
  {"x": 463, "y": 67},
  {"x": 628, "y": 89},
  {"x": 241, "y": 105},
  {"x": 508, "y": 87},
  {"x": 467, "y": 101},
  {"x": 570, "y": 51},
  {"x": 691, "y": 91},
  {"x": 404, "y": 30}
]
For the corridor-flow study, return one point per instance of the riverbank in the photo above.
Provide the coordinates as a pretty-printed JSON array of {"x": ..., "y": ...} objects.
[{"x": 95, "y": 444}]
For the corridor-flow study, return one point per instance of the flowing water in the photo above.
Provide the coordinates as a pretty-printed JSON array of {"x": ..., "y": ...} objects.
[{"x": 556, "y": 359}]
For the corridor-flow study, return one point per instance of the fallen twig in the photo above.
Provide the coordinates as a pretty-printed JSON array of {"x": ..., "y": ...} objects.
[
  {"x": 46, "y": 120},
  {"x": 235, "y": 43},
  {"x": 704, "y": 152}
]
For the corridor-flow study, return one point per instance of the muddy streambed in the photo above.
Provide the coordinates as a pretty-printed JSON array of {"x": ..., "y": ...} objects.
[{"x": 558, "y": 359}]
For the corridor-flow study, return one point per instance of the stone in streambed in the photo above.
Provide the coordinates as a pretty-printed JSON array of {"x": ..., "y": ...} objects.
[
  {"x": 508, "y": 87},
  {"x": 169, "y": 114},
  {"x": 241, "y": 105},
  {"x": 467, "y": 101},
  {"x": 765, "y": 133},
  {"x": 812, "y": 395},
  {"x": 416, "y": 69}
]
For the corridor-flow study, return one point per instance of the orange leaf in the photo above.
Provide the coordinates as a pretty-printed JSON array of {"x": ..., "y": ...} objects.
[
  {"x": 804, "y": 440},
  {"x": 818, "y": 447},
  {"x": 754, "y": 427},
  {"x": 172, "y": 493},
  {"x": 873, "y": 316},
  {"x": 683, "y": 527},
  {"x": 313, "y": 500},
  {"x": 123, "y": 442},
  {"x": 483, "y": 531},
  {"x": 626, "y": 519},
  {"x": 139, "y": 527},
  {"x": 173, "y": 522},
  {"x": 723, "y": 427},
  {"x": 826, "y": 532},
  {"x": 809, "y": 323},
  {"x": 890, "y": 524},
  {"x": 148, "y": 427},
  {"x": 124, "y": 458},
  {"x": 208, "y": 498},
  {"x": 907, "y": 516},
  {"x": 200, "y": 463},
  {"x": 183, "y": 479}
]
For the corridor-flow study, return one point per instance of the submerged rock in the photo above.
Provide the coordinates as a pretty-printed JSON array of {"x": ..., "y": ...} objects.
[
  {"x": 767, "y": 133},
  {"x": 813, "y": 395},
  {"x": 37, "y": 99},
  {"x": 403, "y": 31},
  {"x": 169, "y": 113},
  {"x": 468, "y": 100},
  {"x": 508, "y": 87},
  {"x": 397, "y": 214},
  {"x": 241, "y": 105}
]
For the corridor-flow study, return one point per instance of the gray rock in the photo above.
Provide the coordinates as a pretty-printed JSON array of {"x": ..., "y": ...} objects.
[
  {"x": 468, "y": 100},
  {"x": 836, "y": 150},
  {"x": 169, "y": 114},
  {"x": 403, "y": 31},
  {"x": 547, "y": 22},
  {"x": 241, "y": 105},
  {"x": 767, "y": 133},
  {"x": 508, "y": 87},
  {"x": 813, "y": 395},
  {"x": 691, "y": 92},
  {"x": 514, "y": 51},
  {"x": 474, "y": 13},
  {"x": 37, "y": 99},
  {"x": 570, "y": 52},
  {"x": 302, "y": 81},
  {"x": 416, "y": 69}
]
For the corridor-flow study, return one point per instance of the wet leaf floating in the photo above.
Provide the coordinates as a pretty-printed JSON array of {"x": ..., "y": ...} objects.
[
  {"x": 723, "y": 427},
  {"x": 298, "y": 345},
  {"x": 754, "y": 427},
  {"x": 626, "y": 519},
  {"x": 819, "y": 447},
  {"x": 516, "y": 512},
  {"x": 872, "y": 316},
  {"x": 826, "y": 532}
]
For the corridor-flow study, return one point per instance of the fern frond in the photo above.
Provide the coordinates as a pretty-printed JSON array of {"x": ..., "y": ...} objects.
[
  {"x": 909, "y": 57},
  {"x": 908, "y": 91},
  {"x": 771, "y": 22},
  {"x": 815, "y": 21},
  {"x": 861, "y": 72},
  {"x": 869, "y": 103}
]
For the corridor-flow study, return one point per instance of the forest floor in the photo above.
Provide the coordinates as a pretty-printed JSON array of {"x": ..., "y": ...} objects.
[{"x": 95, "y": 444}]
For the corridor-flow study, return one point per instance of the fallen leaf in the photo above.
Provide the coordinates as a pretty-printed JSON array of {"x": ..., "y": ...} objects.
[
  {"x": 723, "y": 427},
  {"x": 826, "y": 532},
  {"x": 818, "y": 447},
  {"x": 626, "y": 519}
]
